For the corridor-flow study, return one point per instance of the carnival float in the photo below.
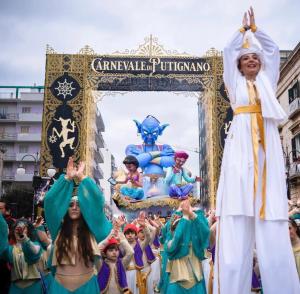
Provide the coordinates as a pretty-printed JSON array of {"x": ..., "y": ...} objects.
[{"x": 155, "y": 179}]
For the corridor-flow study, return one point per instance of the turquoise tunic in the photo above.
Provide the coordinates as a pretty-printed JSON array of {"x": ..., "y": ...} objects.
[
  {"x": 188, "y": 234},
  {"x": 90, "y": 287},
  {"x": 32, "y": 289},
  {"x": 199, "y": 288},
  {"x": 30, "y": 258},
  {"x": 164, "y": 276},
  {"x": 91, "y": 203}
]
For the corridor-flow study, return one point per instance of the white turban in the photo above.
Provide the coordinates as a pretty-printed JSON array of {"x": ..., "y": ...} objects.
[{"x": 249, "y": 46}]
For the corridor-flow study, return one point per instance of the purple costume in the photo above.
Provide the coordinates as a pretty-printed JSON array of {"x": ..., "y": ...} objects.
[{"x": 105, "y": 273}]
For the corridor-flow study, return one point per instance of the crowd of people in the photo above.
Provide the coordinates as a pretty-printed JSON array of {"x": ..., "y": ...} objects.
[
  {"x": 243, "y": 246},
  {"x": 79, "y": 250}
]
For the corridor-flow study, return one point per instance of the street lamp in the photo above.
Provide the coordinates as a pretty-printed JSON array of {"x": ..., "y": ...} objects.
[
  {"x": 51, "y": 171},
  {"x": 36, "y": 179}
]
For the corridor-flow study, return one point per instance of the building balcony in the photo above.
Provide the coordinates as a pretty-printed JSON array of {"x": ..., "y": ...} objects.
[
  {"x": 9, "y": 117},
  {"x": 99, "y": 140},
  {"x": 8, "y": 177},
  {"x": 8, "y": 137},
  {"x": 32, "y": 96},
  {"x": 294, "y": 108},
  {"x": 29, "y": 137},
  {"x": 294, "y": 172},
  {"x": 30, "y": 117},
  {"x": 100, "y": 122},
  {"x": 23, "y": 178},
  {"x": 9, "y": 156},
  {"x": 98, "y": 156},
  {"x": 97, "y": 173}
]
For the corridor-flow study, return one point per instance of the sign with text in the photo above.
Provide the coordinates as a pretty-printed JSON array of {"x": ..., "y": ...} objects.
[{"x": 150, "y": 73}]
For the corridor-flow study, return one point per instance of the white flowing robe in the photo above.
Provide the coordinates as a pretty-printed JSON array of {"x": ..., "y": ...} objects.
[{"x": 235, "y": 195}]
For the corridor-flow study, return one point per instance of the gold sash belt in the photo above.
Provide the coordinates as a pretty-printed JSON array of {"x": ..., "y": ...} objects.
[{"x": 258, "y": 137}]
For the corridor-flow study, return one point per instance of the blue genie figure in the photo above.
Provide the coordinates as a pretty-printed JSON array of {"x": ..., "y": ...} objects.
[{"x": 152, "y": 157}]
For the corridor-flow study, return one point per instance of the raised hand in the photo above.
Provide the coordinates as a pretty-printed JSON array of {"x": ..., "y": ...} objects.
[
  {"x": 185, "y": 206},
  {"x": 245, "y": 20},
  {"x": 119, "y": 222},
  {"x": 142, "y": 218},
  {"x": 80, "y": 171},
  {"x": 71, "y": 169},
  {"x": 187, "y": 209},
  {"x": 115, "y": 234},
  {"x": 39, "y": 221},
  {"x": 251, "y": 17}
]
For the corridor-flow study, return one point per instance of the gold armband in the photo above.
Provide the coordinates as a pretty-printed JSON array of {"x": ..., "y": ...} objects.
[
  {"x": 244, "y": 29},
  {"x": 253, "y": 28}
]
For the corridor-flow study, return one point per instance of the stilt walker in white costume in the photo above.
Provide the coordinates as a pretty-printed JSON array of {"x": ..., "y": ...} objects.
[{"x": 251, "y": 199}]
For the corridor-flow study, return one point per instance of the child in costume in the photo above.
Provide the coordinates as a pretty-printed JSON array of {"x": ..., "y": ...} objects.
[
  {"x": 150, "y": 260},
  {"x": 29, "y": 274},
  {"x": 138, "y": 270},
  {"x": 77, "y": 224},
  {"x": 112, "y": 274}
]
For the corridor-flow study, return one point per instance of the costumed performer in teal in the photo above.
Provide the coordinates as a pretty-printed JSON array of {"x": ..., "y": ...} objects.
[
  {"x": 164, "y": 236},
  {"x": 185, "y": 249},
  {"x": 77, "y": 224},
  {"x": 26, "y": 257}
]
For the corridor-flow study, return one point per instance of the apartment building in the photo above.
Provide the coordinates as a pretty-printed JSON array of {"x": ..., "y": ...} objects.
[
  {"x": 288, "y": 94},
  {"x": 21, "y": 109}
]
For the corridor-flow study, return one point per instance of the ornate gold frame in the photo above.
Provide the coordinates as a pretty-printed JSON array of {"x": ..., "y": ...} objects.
[{"x": 84, "y": 105}]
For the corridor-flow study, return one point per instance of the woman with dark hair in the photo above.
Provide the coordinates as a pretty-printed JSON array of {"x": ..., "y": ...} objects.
[
  {"x": 133, "y": 182},
  {"x": 77, "y": 224},
  {"x": 295, "y": 239},
  {"x": 29, "y": 273},
  {"x": 251, "y": 197}
]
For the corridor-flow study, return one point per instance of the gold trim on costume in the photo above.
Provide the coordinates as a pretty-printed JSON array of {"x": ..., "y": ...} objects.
[
  {"x": 141, "y": 278},
  {"x": 253, "y": 28},
  {"x": 258, "y": 137}
]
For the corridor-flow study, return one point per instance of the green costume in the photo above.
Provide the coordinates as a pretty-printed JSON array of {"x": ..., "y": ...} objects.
[
  {"x": 91, "y": 203},
  {"x": 90, "y": 287},
  {"x": 164, "y": 237},
  {"x": 26, "y": 264},
  {"x": 185, "y": 249}
]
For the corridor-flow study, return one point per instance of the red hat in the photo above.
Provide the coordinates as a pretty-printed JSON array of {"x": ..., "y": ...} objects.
[
  {"x": 140, "y": 229},
  {"x": 131, "y": 227},
  {"x": 111, "y": 241},
  {"x": 181, "y": 154}
]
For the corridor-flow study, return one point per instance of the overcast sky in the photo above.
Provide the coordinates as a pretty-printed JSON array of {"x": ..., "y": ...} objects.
[{"x": 191, "y": 26}]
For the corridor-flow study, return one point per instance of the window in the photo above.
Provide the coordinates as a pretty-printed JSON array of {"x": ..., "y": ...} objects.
[
  {"x": 26, "y": 109},
  {"x": 294, "y": 92},
  {"x": 23, "y": 148},
  {"x": 3, "y": 112},
  {"x": 24, "y": 129},
  {"x": 296, "y": 147}
]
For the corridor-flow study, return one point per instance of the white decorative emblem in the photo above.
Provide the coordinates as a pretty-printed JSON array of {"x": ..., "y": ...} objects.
[
  {"x": 64, "y": 134},
  {"x": 52, "y": 139},
  {"x": 65, "y": 88}
]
